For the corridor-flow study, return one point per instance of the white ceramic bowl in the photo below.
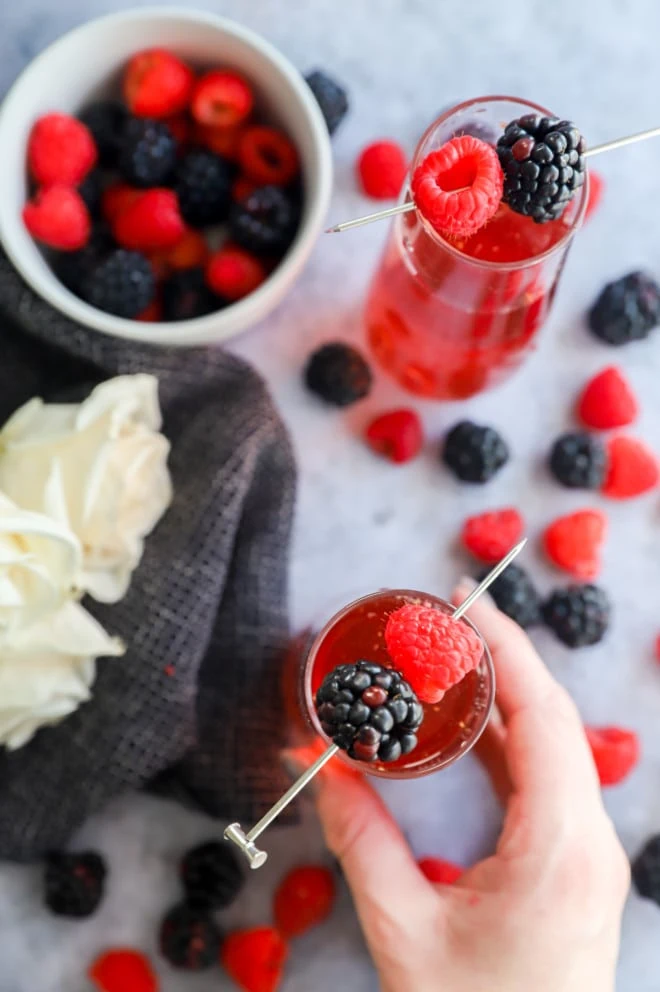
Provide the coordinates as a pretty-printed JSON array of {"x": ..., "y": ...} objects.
[{"x": 85, "y": 64}]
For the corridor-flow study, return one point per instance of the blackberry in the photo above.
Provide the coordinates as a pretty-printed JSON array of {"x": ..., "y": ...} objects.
[
  {"x": 148, "y": 152},
  {"x": 106, "y": 120},
  {"x": 185, "y": 295},
  {"x": 330, "y": 96},
  {"x": 91, "y": 190},
  {"x": 338, "y": 374},
  {"x": 74, "y": 883},
  {"x": 474, "y": 453},
  {"x": 543, "y": 163},
  {"x": 369, "y": 712},
  {"x": 579, "y": 615},
  {"x": 73, "y": 267},
  {"x": 189, "y": 939},
  {"x": 203, "y": 183},
  {"x": 212, "y": 876},
  {"x": 578, "y": 461},
  {"x": 515, "y": 595},
  {"x": 122, "y": 283},
  {"x": 646, "y": 870},
  {"x": 266, "y": 222},
  {"x": 627, "y": 309}
]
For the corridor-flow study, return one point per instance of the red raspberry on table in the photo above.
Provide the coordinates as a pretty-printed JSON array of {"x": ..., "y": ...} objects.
[
  {"x": 489, "y": 536},
  {"x": 123, "y": 970},
  {"x": 267, "y": 156},
  {"x": 58, "y": 217},
  {"x": 439, "y": 871},
  {"x": 157, "y": 84},
  {"x": 573, "y": 542},
  {"x": 233, "y": 273},
  {"x": 616, "y": 752},
  {"x": 304, "y": 899},
  {"x": 458, "y": 188},
  {"x": 430, "y": 649},
  {"x": 150, "y": 222},
  {"x": 397, "y": 435},
  {"x": 255, "y": 958},
  {"x": 607, "y": 401},
  {"x": 382, "y": 168},
  {"x": 596, "y": 190},
  {"x": 632, "y": 468},
  {"x": 221, "y": 99},
  {"x": 60, "y": 150}
]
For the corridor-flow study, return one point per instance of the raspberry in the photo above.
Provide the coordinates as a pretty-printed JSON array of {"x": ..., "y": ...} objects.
[
  {"x": 106, "y": 121},
  {"x": 431, "y": 649},
  {"x": 515, "y": 595},
  {"x": 397, "y": 436},
  {"x": 615, "y": 751},
  {"x": 123, "y": 970},
  {"x": 152, "y": 221},
  {"x": 382, "y": 168},
  {"x": 573, "y": 542},
  {"x": 267, "y": 156},
  {"x": 203, "y": 185},
  {"x": 646, "y": 870},
  {"x": 121, "y": 283},
  {"x": 148, "y": 153},
  {"x": 212, "y": 875},
  {"x": 221, "y": 99},
  {"x": 338, "y": 374},
  {"x": 189, "y": 939},
  {"x": 578, "y": 615},
  {"x": 157, "y": 84},
  {"x": 265, "y": 222},
  {"x": 74, "y": 883},
  {"x": 489, "y": 536},
  {"x": 626, "y": 310},
  {"x": 223, "y": 141},
  {"x": 60, "y": 150},
  {"x": 632, "y": 468},
  {"x": 578, "y": 461},
  {"x": 303, "y": 899},
  {"x": 458, "y": 188},
  {"x": 116, "y": 198},
  {"x": 607, "y": 401},
  {"x": 330, "y": 97},
  {"x": 233, "y": 273},
  {"x": 188, "y": 253},
  {"x": 439, "y": 871},
  {"x": 255, "y": 958},
  {"x": 58, "y": 217},
  {"x": 474, "y": 453},
  {"x": 596, "y": 190}
]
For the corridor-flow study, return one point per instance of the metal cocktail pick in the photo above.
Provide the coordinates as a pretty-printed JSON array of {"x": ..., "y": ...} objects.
[
  {"x": 246, "y": 842},
  {"x": 403, "y": 208}
]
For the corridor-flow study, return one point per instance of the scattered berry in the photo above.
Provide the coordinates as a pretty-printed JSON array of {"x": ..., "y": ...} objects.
[
  {"x": 615, "y": 751},
  {"x": 632, "y": 468},
  {"x": 489, "y": 536},
  {"x": 431, "y": 649},
  {"x": 382, "y": 168},
  {"x": 123, "y": 970},
  {"x": 106, "y": 121},
  {"x": 646, "y": 870},
  {"x": 573, "y": 542},
  {"x": 185, "y": 296},
  {"x": 578, "y": 461},
  {"x": 74, "y": 883},
  {"x": 189, "y": 939},
  {"x": 543, "y": 163},
  {"x": 190, "y": 252},
  {"x": 369, "y": 712},
  {"x": 221, "y": 99},
  {"x": 458, "y": 188},
  {"x": 222, "y": 141},
  {"x": 303, "y": 899},
  {"x": 439, "y": 871},
  {"x": 148, "y": 152},
  {"x": 338, "y": 374},
  {"x": 626, "y": 310},
  {"x": 60, "y": 150},
  {"x": 607, "y": 401},
  {"x": 578, "y": 615},
  {"x": 265, "y": 223},
  {"x": 267, "y": 156},
  {"x": 330, "y": 96},
  {"x": 211, "y": 875},
  {"x": 255, "y": 959},
  {"x": 474, "y": 453},
  {"x": 152, "y": 221},
  {"x": 515, "y": 595},
  {"x": 122, "y": 283},
  {"x": 397, "y": 435},
  {"x": 91, "y": 191},
  {"x": 58, "y": 217},
  {"x": 203, "y": 184},
  {"x": 116, "y": 198},
  {"x": 596, "y": 190},
  {"x": 157, "y": 84},
  {"x": 233, "y": 273}
]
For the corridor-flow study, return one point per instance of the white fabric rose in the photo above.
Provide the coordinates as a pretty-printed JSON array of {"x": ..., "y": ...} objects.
[{"x": 98, "y": 467}]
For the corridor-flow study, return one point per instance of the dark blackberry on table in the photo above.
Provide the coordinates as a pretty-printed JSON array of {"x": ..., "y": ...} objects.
[
  {"x": 91, "y": 190},
  {"x": 579, "y": 615},
  {"x": 74, "y": 883},
  {"x": 646, "y": 870},
  {"x": 578, "y": 461},
  {"x": 543, "y": 163},
  {"x": 369, "y": 711},
  {"x": 627, "y": 309},
  {"x": 122, "y": 283},
  {"x": 189, "y": 938},
  {"x": 211, "y": 875},
  {"x": 514, "y": 594},
  {"x": 474, "y": 453},
  {"x": 106, "y": 120},
  {"x": 202, "y": 182},
  {"x": 266, "y": 222},
  {"x": 338, "y": 374},
  {"x": 330, "y": 96},
  {"x": 148, "y": 152},
  {"x": 185, "y": 295}
]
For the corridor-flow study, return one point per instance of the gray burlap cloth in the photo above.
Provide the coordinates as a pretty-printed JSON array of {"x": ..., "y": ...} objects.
[{"x": 193, "y": 707}]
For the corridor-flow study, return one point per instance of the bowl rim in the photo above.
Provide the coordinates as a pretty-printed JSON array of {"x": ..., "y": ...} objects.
[{"x": 243, "y": 313}]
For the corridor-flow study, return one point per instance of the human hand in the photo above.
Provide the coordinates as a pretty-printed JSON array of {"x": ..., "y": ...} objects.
[{"x": 543, "y": 913}]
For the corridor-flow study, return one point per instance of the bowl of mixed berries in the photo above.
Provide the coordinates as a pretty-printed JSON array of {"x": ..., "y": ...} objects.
[{"x": 165, "y": 176}]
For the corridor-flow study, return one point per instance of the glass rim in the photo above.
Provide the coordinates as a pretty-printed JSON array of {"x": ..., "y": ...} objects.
[{"x": 563, "y": 243}]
